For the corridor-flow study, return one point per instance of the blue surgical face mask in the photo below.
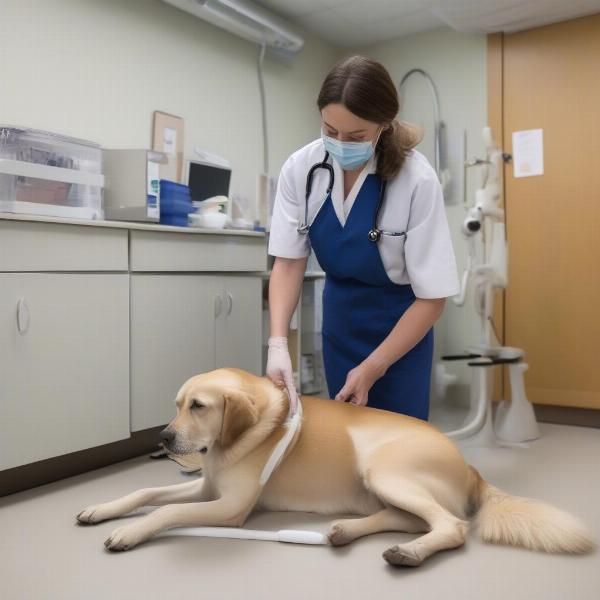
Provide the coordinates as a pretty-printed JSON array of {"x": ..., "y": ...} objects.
[{"x": 349, "y": 155}]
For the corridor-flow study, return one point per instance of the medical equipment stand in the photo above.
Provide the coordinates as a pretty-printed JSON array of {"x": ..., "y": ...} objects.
[{"x": 515, "y": 420}]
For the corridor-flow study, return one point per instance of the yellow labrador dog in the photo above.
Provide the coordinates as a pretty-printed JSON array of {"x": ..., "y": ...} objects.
[{"x": 400, "y": 473}]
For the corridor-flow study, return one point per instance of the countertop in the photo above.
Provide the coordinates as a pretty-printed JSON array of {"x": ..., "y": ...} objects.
[{"x": 126, "y": 225}]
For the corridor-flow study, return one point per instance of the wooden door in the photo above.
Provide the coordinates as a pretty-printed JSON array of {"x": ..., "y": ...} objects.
[{"x": 551, "y": 81}]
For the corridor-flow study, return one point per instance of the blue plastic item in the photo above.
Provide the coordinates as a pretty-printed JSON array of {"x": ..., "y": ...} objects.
[
  {"x": 177, "y": 220},
  {"x": 170, "y": 188},
  {"x": 175, "y": 203}
]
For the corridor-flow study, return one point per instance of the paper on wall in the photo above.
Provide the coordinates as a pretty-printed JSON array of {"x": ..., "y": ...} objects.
[
  {"x": 169, "y": 141},
  {"x": 528, "y": 152}
]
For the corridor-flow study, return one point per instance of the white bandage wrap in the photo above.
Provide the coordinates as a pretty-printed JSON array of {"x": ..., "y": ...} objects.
[{"x": 292, "y": 424}]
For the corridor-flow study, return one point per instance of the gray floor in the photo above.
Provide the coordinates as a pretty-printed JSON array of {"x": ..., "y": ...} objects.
[{"x": 44, "y": 554}]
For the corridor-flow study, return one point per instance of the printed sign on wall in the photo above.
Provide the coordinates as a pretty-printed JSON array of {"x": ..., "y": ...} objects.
[{"x": 528, "y": 152}]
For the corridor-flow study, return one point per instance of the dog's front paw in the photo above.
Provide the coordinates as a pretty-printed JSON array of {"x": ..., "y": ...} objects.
[
  {"x": 338, "y": 535},
  {"x": 125, "y": 538},
  {"x": 96, "y": 513}
]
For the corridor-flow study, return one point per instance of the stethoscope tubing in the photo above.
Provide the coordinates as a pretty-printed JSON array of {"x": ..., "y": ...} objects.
[{"x": 375, "y": 233}]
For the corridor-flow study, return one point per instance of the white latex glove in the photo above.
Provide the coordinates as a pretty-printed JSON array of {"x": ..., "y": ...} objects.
[{"x": 279, "y": 369}]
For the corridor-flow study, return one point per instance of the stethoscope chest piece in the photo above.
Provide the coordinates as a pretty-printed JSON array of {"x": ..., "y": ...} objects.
[{"x": 374, "y": 235}]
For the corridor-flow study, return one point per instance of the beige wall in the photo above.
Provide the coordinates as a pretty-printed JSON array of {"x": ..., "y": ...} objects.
[
  {"x": 97, "y": 69},
  {"x": 457, "y": 64}
]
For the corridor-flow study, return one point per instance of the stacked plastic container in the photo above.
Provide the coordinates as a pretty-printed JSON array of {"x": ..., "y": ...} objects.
[
  {"x": 175, "y": 203},
  {"x": 49, "y": 174}
]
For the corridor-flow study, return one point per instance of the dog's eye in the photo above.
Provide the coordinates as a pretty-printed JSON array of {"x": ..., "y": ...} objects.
[{"x": 196, "y": 404}]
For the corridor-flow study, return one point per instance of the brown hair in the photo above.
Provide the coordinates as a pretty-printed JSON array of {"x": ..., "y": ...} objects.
[{"x": 366, "y": 89}]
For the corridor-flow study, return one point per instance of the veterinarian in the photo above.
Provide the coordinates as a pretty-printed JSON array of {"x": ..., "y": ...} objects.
[{"x": 371, "y": 208}]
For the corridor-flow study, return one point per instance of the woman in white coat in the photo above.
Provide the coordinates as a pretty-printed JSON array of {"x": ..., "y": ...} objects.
[{"x": 371, "y": 208}]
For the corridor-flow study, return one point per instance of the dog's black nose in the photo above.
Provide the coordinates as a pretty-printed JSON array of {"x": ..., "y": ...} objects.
[{"x": 167, "y": 436}]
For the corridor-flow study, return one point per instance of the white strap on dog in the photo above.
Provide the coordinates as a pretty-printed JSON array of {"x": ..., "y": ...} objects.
[
  {"x": 292, "y": 425},
  {"x": 291, "y": 536}
]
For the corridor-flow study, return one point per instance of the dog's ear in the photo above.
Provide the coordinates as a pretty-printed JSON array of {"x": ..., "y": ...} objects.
[{"x": 239, "y": 414}]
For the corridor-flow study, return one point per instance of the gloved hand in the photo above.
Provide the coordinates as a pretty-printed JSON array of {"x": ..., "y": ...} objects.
[{"x": 279, "y": 369}]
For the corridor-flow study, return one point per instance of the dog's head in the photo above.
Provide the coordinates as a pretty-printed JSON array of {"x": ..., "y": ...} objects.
[{"x": 213, "y": 408}]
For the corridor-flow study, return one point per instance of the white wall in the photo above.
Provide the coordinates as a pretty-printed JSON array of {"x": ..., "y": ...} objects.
[
  {"x": 457, "y": 64},
  {"x": 97, "y": 69}
]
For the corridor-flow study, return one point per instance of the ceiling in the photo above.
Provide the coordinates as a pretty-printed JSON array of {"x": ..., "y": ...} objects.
[{"x": 348, "y": 23}]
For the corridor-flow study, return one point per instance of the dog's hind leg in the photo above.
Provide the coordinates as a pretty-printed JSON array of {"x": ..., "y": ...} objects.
[
  {"x": 190, "y": 491},
  {"x": 446, "y": 530},
  {"x": 388, "y": 519}
]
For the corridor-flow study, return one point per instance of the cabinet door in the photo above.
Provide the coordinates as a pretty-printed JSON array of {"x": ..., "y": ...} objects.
[
  {"x": 239, "y": 327},
  {"x": 172, "y": 338},
  {"x": 64, "y": 364}
]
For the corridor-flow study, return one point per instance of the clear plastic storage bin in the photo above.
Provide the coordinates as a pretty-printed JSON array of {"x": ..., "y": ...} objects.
[{"x": 46, "y": 173}]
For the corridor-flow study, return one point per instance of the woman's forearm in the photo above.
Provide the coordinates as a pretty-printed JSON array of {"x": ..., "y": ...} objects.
[
  {"x": 408, "y": 331},
  {"x": 285, "y": 284}
]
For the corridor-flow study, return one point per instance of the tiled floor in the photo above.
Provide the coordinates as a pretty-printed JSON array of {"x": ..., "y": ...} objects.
[{"x": 45, "y": 555}]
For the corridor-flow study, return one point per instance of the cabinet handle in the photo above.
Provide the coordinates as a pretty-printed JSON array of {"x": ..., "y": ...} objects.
[
  {"x": 229, "y": 303},
  {"x": 23, "y": 317},
  {"x": 217, "y": 305}
]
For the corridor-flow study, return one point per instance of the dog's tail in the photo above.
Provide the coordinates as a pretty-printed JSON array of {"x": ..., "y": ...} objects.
[{"x": 518, "y": 521}]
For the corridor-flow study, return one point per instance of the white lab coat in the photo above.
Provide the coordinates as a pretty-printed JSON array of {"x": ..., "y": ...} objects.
[{"x": 413, "y": 203}]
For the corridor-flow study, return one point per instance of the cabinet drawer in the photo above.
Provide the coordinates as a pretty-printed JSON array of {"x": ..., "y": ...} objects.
[
  {"x": 31, "y": 246},
  {"x": 163, "y": 251},
  {"x": 64, "y": 364}
]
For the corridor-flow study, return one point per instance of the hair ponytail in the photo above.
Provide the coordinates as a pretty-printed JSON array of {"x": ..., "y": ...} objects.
[
  {"x": 366, "y": 89},
  {"x": 394, "y": 144}
]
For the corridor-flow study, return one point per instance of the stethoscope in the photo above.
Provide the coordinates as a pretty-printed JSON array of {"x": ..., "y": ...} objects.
[{"x": 375, "y": 233}]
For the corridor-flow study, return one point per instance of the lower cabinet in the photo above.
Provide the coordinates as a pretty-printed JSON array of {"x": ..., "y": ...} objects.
[
  {"x": 64, "y": 364},
  {"x": 186, "y": 324},
  {"x": 239, "y": 325},
  {"x": 100, "y": 327}
]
